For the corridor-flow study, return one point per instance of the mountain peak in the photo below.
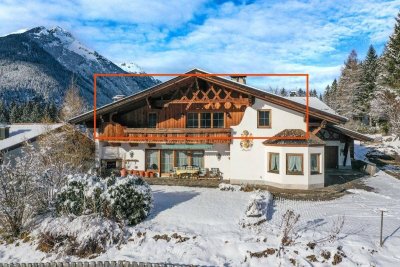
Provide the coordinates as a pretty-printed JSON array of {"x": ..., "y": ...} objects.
[{"x": 41, "y": 61}]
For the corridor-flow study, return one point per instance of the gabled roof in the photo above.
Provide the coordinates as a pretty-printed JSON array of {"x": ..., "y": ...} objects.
[
  {"x": 312, "y": 140},
  {"x": 293, "y": 104}
]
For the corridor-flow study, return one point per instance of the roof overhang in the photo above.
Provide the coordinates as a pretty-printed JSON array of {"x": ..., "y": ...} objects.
[
  {"x": 353, "y": 134},
  {"x": 222, "y": 81}
]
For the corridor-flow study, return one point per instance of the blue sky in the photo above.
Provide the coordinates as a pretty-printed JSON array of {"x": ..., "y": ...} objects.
[{"x": 285, "y": 36}]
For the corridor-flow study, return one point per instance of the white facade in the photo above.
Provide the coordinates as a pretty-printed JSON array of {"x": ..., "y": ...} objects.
[{"x": 249, "y": 165}]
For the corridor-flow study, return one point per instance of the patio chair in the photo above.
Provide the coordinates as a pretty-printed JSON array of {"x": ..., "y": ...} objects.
[
  {"x": 203, "y": 172},
  {"x": 215, "y": 173},
  {"x": 173, "y": 172}
]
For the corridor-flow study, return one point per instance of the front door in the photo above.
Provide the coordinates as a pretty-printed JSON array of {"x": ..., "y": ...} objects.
[{"x": 331, "y": 157}]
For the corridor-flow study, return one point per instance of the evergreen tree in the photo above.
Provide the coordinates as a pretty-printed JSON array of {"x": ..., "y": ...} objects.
[
  {"x": 313, "y": 93},
  {"x": 36, "y": 115},
  {"x": 386, "y": 102},
  {"x": 26, "y": 112},
  {"x": 15, "y": 113},
  {"x": 53, "y": 111},
  {"x": 391, "y": 59},
  {"x": 367, "y": 86},
  {"x": 320, "y": 97},
  {"x": 348, "y": 84},
  {"x": 300, "y": 92},
  {"x": 283, "y": 92},
  {"x": 327, "y": 94},
  {"x": 3, "y": 113}
]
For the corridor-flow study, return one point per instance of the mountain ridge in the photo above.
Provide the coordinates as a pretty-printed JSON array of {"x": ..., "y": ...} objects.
[{"x": 39, "y": 64}]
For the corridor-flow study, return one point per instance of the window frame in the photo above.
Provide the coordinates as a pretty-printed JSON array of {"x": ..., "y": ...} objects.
[
  {"x": 270, "y": 162},
  {"x": 148, "y": 119},
  {"x": 258, "y": 118},
  {"x": 195, "y": 117},
  {"x": 287, "y": 164},
  {"x": 199, "y": 119},
  {"x": 318, "y": 164},
  {"x": 223, "y": 120}
]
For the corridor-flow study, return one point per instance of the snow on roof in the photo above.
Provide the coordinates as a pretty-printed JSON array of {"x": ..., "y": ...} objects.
[
  {"x": 314, "y": 102},
  {"x": 22, "y": 132}
]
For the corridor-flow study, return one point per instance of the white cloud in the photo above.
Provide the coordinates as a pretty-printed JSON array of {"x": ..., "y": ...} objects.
[{"x": 265, "y": 36}]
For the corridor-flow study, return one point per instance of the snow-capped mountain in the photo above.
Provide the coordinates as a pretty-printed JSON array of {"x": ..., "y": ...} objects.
[
  {"x": 130, "y": 67},
  {"x": 41, "y": 63}
]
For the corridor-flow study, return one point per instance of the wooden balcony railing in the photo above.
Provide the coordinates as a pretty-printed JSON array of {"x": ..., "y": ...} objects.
[
  {"x": 180, "y": 135},
  {"x": 167, "y": 135}
]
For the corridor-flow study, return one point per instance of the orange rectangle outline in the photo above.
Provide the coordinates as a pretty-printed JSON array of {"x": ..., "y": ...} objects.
[{"x": 155, "y": 138}]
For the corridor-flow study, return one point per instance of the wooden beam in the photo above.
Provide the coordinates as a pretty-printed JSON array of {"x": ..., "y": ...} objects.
[
  {"x": 321, "y": 126},
  {"x": 148, "y": 103}
]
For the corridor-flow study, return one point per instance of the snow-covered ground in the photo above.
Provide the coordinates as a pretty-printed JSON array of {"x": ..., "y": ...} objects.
[
  {"x": 202, "y": 226},
  {"x": 382, "y": 148}
]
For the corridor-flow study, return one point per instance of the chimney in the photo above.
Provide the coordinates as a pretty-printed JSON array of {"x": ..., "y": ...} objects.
[
  {"x": 117, "y": 97},
  {"x": 4, "y": 131},
  {"x": 239, "y": 79}
]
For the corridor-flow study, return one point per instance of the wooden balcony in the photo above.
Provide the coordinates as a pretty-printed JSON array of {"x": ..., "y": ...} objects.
[
  {"x": 114, "y": 131},
  {"x": 179, "y": 135}
]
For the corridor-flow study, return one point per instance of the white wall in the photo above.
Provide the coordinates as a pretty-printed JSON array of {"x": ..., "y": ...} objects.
[
  {"x": 250, "y": 165},
  {"x": 285, "y": 180},
  {"x": 211, "y": 159}
]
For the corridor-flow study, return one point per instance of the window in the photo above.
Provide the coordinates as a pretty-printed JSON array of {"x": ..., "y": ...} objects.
[
  {"x": 198, "y": 159},
  {"x": 315, "y": 163},
  {"x": 167, "y": 161},
  {"x": 205, "y": 120},
  {"x": 192, "y": 120},
  {"x": 218, "y": 120},
  {"x": 152, "y": 159},
  {"x": 111, "y": 165},
  {"x": 274, "y": 162},
  {"x": 182, "y": 159},
  {"x": 264, "y": 119},
  {"x": 294, "y": 164},
  {"x": 152, "y": 120}
]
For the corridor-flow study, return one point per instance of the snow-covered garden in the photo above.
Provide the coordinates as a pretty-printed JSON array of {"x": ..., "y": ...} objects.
[
  {"x": 91, "y": 218},
  {"x": 206, "y": 226}
]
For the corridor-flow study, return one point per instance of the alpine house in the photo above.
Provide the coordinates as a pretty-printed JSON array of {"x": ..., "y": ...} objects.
[{"x": 211, "y": 126}]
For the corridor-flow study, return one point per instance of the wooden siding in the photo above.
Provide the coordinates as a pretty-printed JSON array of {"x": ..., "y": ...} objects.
[
  {"x": 172, "y": 110},
  {"x": 174, "y": 116}
]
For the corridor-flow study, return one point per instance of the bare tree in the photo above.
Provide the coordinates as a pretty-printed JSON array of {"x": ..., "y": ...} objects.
[
  {"x": 60, "y": 153},
  {"x": 289, "y": 221},
  {"x": 73, "y": 104},
  {"x": 336, "y": 229},
  {"x": 18, "y": 194}
]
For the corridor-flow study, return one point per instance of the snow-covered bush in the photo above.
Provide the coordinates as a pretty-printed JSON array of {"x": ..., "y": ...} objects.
[
  {"x": 257, "y": 209},
  {"x": 71, "y": 200},
  {"x": 130, "y": 200},
  {"x": 81, "y": 236},
  {"x": 123, "y": 199},
  {"x": 229, "y": 187}
]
